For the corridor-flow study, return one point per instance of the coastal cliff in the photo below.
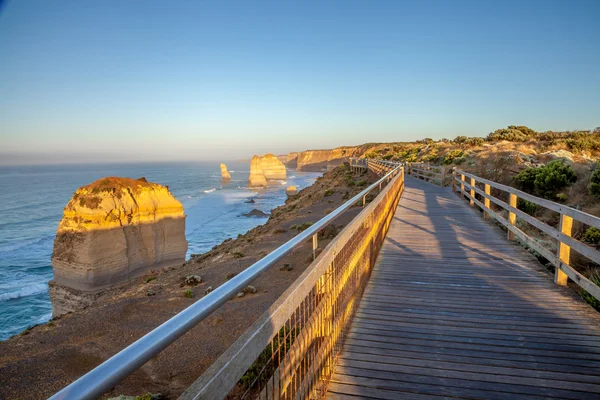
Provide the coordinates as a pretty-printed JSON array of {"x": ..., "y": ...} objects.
[
  {"x": 320, "y": 160},
  {"x": 112, "y": 231},
  {"x": 43, "y": 359}
]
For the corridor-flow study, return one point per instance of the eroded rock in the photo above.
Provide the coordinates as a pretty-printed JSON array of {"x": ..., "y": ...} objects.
[{"x": 112, "y": 231}]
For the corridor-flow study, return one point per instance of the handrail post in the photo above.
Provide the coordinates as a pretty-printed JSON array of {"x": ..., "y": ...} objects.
[
  {"x": 486, "y": 202},
  {"x": 453, "y": 179},
  {"x": 564, "y": 251},
  {"x": 315, "y": 244},
  {"x": 512, "y": 217},
  {"x": 472, "y": 192},
  {"x": 442, "y": 173},
  {"x": 462, "y": 186}
]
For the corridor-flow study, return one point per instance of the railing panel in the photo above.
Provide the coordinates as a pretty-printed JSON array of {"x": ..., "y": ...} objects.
[
  {"x": 561, "y": 260},
  {"x": 291, "y": 350}
]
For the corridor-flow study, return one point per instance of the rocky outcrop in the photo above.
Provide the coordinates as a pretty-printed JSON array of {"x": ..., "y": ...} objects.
[
  {"x": 225, "y": 175},
  {"x": 291, "y": 190},
  {"x": 256, "y": 213},
  {"x": 257, "y": 176},
  {"x": 264, "y": 168},
  {"x": 273, "y": 168},
  {"x": 112, "y": 231}
]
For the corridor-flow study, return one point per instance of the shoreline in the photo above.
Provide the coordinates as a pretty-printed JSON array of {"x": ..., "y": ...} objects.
[{"x": 79, "y": 341}]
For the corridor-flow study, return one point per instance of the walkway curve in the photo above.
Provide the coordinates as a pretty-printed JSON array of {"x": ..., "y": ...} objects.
[{"x": 455, "y": 310}]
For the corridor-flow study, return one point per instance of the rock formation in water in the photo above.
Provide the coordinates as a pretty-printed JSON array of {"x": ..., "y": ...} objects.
[
  {"x": 291, "y": 190},
  {"x": 273, "y": 168},
  {"x": 113, "y": 231},
  {"x": 257, "y": 176},
  {"x": 264, "y": 168},
  {"x": 225, "y": 175}
]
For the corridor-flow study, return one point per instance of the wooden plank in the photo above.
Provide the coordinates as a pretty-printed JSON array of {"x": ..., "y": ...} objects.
[{"x": 454, "y": 310}]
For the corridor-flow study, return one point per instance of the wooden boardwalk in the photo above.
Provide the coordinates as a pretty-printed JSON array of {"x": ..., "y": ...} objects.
[{"x": 455, "y": 310}]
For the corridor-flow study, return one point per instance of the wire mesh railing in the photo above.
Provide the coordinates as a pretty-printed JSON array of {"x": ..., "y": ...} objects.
[
  {"x": 290, "y": 351},
  {"x": 335, "y": 266}
]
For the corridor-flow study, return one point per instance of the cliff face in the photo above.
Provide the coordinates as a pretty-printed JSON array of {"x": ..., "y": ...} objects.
[
  {"x": 257, "y": 176},
  {"x": 273, "y": 168},
  {"x": 264, "y": 168},
  {"x": 112, "y": 231},
  {"x": 320, "y": 160},
  {"x": 225, "y": 175}
]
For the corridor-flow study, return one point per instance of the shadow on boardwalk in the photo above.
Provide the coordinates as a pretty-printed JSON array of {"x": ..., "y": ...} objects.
[{"x": 454, "y": 310}]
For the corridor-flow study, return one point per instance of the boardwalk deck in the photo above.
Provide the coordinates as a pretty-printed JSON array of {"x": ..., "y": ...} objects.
[{"x": 454, "y": 310}]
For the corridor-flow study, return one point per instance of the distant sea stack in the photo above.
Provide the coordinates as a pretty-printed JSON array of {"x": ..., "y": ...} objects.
[
  {"x": 113, "y": 231},
  {"x": 257, "y": 176},
  {"x": 273, "y": 168},
  {"x": 291, "y": 190},
  {"x": 265, "y": 168},
  {"x": 225, "y": 175}
]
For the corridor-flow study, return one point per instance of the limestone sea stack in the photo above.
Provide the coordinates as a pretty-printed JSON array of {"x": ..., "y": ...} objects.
[
  {"x": 273, "y": 168},
  {"x": 225, "y": 175},
  {"x": 113, "y": 231},
  {"x": 267, "y": 167},
  {"x": 257, "y": 176},
  {"x": 291, "y": 190}
]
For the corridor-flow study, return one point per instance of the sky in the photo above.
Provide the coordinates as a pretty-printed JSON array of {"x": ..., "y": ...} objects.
[{"x": 206, "y": 80}]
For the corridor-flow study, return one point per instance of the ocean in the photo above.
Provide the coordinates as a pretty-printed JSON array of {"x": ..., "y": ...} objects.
[{"x": 32, "y": 199}]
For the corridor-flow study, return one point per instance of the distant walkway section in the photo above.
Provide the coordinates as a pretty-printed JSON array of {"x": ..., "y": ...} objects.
[{"x": 454, "y": 310}]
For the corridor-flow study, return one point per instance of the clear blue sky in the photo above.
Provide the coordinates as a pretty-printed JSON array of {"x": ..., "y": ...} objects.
[{"x": 108, "y": 80}]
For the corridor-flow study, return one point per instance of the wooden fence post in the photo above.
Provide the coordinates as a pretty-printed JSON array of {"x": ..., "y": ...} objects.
[
  {"x": 472, "y": 192},
  {"x": 512, "y": 217},
  {"x": 453, "y": 179},
  {"x": 315, "y": 243},
  {"x": 564, "y": 251},
  {"x": 486, "y": 202},
  {"x": 442, "y": 176},
  {"x": 462, "y": 186}
]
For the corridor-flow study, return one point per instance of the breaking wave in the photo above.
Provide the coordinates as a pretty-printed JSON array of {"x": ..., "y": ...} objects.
[{"x": 24, "y": 292}]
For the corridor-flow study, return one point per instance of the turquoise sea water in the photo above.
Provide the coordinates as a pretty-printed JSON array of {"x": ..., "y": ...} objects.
[{"x": 32, "y": 199}]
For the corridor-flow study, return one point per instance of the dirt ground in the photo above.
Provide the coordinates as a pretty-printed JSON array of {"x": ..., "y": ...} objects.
[{"x": 42, "y": 360}]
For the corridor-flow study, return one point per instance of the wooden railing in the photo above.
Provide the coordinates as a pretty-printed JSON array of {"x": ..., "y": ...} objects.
[
  {"x": 476, "y": 189},
  {"x": 290, "y": 351},
  {"x": 427, "y": 172}
]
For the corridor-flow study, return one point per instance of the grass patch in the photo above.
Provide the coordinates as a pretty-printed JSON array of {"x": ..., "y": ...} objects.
[{"x": 188, "y": 293}]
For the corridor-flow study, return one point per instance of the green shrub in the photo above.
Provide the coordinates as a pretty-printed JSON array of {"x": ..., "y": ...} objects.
[
  {"x": 592, "y": 236},
  {"x": 329, "y": 192},
  {"x": 409, "y": 155},
  {"x": 237, "y": 254},
  {"x": 474, "y": 141},
  {"x": 453, "y": 157},
  {"x": 591, "y": 300},
  {"x": 594, "y": 186},
  {"x": 188, "y": 293},
  {"x": 388, "y": 156},
  {"x": 460, "y": 139},
  {"x": 546, "y": 180},
  {"x": 512, "y": 134},
  {"x": 526, "y": 206}
]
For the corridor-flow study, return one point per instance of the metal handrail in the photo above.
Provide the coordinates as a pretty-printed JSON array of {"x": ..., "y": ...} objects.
[{"x": 102, "y": 378}]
